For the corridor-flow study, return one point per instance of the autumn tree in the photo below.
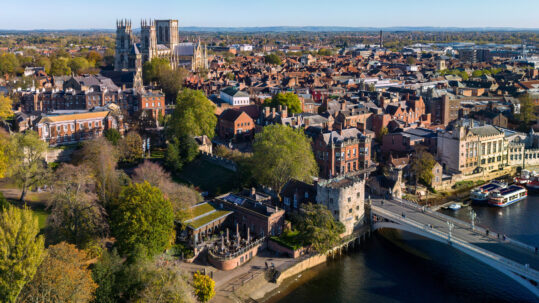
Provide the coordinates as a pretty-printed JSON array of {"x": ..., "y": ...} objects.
[
  {"x": 4, "y": 153},
  {"x": 192, "y": 116},
  {"x": 318, "y": 227},
  {"x": 290, "y": 100},
  {"x": 142, "y": 216},
  {"x": 421, "y": 165},
  {"x": 527, "y": 110},
  {"x": 171, "y": 81},
  {"x": 180, "y": 151},
  {"x": 204, "y": 287},
  {"x": 21, "y": 250},
  {"x": 63, "y": 276},
  {"x": 8, "y": 64},
  {"x": 78, "y": 65},
  {"x": 130, "y": 147},
  {"x": 180, "y": 196},
  {"x": 76, "y": 215},
  {"x": 6, "y": 108},
  {"x": 166, "y": 283},
  {"x": 280, "y": 154},
  {"x": 27, "y": 165}
]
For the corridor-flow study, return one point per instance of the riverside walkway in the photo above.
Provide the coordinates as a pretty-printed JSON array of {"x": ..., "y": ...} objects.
[{"x": 517, "y": 260}]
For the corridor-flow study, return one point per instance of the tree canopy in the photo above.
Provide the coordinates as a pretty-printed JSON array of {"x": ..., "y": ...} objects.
[
  {"x": 152, "y": 68},
  {"x": 204, "y": 287},
  {"x": 130, "y": 147},
  {"x": 318, "y": 227},
  {"x": 290, "y": 100},
  {"x": 193, "y": 115},
  {"x": 527, "y": 110},
  {"x": 22, "y": 250},
  {"x": 273, "y": 59},
  {"x": 142, "y": 216},
  {"x": 421, "y": 165},
  {"x": 280, "y": 154},
  {"x": 6, "y": 107}
]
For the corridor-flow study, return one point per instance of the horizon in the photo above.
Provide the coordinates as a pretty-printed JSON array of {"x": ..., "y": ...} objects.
[{"x": 216, "y": 14}]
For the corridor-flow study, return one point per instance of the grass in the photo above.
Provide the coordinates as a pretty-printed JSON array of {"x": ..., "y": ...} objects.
[
  {"x": 208, "y": 177},
  {"x": 289, "y": 239},
  {"x": 38, "y": 211},
  {"x": 199, "y": 210},
  {"x": 207, "y": 219},
  {"x": 157, "y": 154}
]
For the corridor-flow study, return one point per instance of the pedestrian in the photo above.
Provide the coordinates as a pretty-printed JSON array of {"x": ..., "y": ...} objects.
[
  {"x": 498, "y": 236},
  {"x": 382, "y": 202},
  {"x": 487, "y": 232},
  {"x": 265, "y": 262}
]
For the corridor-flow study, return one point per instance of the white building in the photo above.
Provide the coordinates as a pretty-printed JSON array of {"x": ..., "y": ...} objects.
[{"x": 234, "y": 96}]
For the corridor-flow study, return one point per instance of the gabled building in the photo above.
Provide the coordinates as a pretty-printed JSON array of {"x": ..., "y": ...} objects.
[
  {"x": 234, "y": 96},
  {"x": 235, "y": 124}
]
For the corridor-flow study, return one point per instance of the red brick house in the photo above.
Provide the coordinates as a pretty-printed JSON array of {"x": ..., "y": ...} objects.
[
  {"x": 340, "y": 152},
  {"x": 234, "y": 124}
]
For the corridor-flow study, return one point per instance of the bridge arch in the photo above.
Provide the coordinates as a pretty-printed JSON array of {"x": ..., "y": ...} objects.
[{"x": 488, "y": 261}]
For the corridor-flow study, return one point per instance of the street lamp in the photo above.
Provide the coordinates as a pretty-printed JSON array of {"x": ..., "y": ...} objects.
[
  {"x": 451, "y": 226},
  {"x": 473, "y": 215}
]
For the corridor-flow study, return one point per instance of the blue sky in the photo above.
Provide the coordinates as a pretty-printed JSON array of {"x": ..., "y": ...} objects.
[{"x": 74, "y": 14}]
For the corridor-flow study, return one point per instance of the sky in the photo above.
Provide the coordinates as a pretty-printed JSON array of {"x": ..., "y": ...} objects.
[{"x": 102, "y": 14}]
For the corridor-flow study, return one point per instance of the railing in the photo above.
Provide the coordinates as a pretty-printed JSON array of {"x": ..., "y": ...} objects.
[
  {"x": 235, "y": 254},
  {"x": 515, "y": 267},
  {"x": 477, "y": 228}
]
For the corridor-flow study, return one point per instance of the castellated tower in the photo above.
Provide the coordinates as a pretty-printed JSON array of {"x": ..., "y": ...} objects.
[
  {"x": 124, "y": 41},
  {"x": 148, "y": 40},
  {"x": 167, "y": 32}
]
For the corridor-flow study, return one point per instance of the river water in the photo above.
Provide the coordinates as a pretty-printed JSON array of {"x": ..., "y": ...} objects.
[{"x": 400, "y": 267}]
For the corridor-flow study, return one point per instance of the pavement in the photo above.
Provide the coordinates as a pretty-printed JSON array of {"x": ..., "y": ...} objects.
[{"x": 476, "y": 237}]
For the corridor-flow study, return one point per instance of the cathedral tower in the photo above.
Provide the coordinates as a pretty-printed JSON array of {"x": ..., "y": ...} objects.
[
  {"x": 124, "y": 42},
  {"x": 167, "y": 32},
  {"x": 148, "y": 40}
]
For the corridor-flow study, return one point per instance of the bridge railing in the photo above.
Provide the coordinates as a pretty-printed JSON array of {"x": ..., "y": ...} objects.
[
  {"x": 477, "y": 228},
  {"x": 515, "y": 266}
]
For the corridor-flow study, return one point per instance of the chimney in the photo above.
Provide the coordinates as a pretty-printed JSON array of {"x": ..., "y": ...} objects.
[
  {"x": 284, "y": 112},
  {"x": 273, "y": 112},
  {"x": 253, "y": 192},
  {"x": 343, "y": 105}
]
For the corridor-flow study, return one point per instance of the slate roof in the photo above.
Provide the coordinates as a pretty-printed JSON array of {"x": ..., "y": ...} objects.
[
  {"x": 234, "y": 92},
  {"x": 230, "y": 115},
  {"x": 487, "y": 130},
  {"x": 334, "y": 137}
]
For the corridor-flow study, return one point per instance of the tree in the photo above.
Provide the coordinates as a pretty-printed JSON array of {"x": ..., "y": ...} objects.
[
  {"x": 422, "y": 164},
  {"x": 22, "y": 250},
  {"x": 76, "y": 216},
  {"x": 273, "y": 59},
  {"x": 59, "y": 67},
  {"x": 325, "y": 52},
  {"x": 171, "y": 81},
  {"x": 193, "y": 115},
  {"x": 152, "y": 68},
  {"x": 28, "y": 168},
  {"x": 101, "y": 156},
  {"x": 45, "y": 63},
  {"x": 8, "y": 64},
  {"x": 6, "y": 108},
  {"x": 384, "y": 131},
  {"x": 204, "y": 287},
  {"x": 410, "y": 60},
  {"x": 280, "y": 154},
  {"x": 131, "y": 147},
  {"x": 63, "y": 276},
  {"x": 180, "y": 196},
  {"x": 290, "y": 100},
  {"x": 142, "y": 216},
  {"x": 78, "y": 65},
  {"x": 318, "y": 227},
  {"x": 106, "y": 274},
  {"x": 527, "y": 110},
  {"x": 181, "y": 151},
  {"x": 113, "y": 135},
  {"x": 4, "y": 153},
  {"x": 166, "y": 283}
]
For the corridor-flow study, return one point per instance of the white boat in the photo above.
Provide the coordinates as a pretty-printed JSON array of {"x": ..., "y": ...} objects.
[
  {"x": 454, "y": 206},
  {"x": 507, "y": 196},
  {"x": 480, "y": 194}
]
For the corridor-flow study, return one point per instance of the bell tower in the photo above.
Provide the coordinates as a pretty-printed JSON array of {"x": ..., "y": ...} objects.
[
  {"x": 124, "y": 41},
  {"x": 148, "y": 40}
]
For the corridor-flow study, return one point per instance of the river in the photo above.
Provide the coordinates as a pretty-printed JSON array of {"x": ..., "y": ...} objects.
[{"x": 397, "y": 266}]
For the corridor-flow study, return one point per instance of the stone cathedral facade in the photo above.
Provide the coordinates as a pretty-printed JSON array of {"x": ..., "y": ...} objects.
[{"x": 158, "y": 38}]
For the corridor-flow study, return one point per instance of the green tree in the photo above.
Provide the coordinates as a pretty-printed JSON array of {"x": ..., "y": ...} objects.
[
  {"x": 113, "y": 135},
  {"x": 181, "y": 151},
  {"x": 8, "y": 64},
  {"x": 193, "y": 115},
  {"x": 280, "y": 154},
  {"x": 63, "y": 276},
  {"x": 60, "y": 67},
  {"x": 6, "y": 108},
  {"x": 290, "y": 100},
  {"x": 421, "y": 165},
  {"x": 45, "y": 63},
  {"x": 527, "y": 110},
  {"x": 131, "y": 147},
  {"x": 28, "y": 168},
  {"x": 273, "y": 59},
  {"x": 325, "y": 52},
  {"x": 78, "y": 65},
  {"x": 106, "y": 274},
  {"x": 318, "y": 227},
  {"x": 410, "y": 60},
  {"x": 4, "y": 153},
  {"x": 142, "y": 216},
  {"x": 22, "y": 250},
  {"x": 151, "y": 69},
  {"x": 204, "y": 287},
  {"x": 166, "y": 284}
]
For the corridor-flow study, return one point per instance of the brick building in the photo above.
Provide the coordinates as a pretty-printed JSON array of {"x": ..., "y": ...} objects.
[{"x": 234, "y": 124}]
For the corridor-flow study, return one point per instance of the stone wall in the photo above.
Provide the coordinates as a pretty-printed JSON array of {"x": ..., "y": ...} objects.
[
  {"x": 59, "y": 155},
  {"x": 278, "y": 248},
  {"x": 220, "y": 161},
  {"x": 302, "y": 266}
]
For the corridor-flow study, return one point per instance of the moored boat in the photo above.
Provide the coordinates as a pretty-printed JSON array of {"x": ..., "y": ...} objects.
[
  {"x": 507, "y": 196},
  {"x": 480, "y": 194},
  {"x": 454, "y": 206}
]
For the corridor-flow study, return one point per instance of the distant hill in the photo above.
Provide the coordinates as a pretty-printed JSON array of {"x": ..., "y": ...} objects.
[{"x": 284, "y": 29}]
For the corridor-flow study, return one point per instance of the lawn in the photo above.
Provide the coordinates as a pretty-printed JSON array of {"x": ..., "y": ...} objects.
[
  {"x": 38, "y": 211},
  {"x": 290, "y": 239},
  {"x": 208, "y": 177}
]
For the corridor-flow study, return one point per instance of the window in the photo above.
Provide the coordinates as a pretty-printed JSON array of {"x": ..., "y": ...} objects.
[
  {"x": 350, "y": 211},
  {"x": 331, "y": 200},
  {"x": 358, "y": 195},
  {"x": 349, "y": 199}
]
